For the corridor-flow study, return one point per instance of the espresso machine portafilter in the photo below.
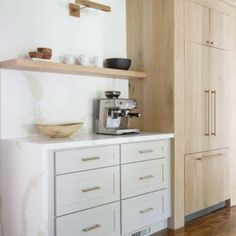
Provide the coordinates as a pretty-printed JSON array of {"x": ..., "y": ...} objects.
[{"x": 114, "y": 114}]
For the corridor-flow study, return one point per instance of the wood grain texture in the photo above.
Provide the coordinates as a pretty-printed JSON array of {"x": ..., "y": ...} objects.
[
  {"x": 52, "y": 67},
  {"x": 219, "y": 223},
  {"x": 94, "y": 5},
  {"x": 155, "y": 41},
  {"x": 207, "y": 180}
]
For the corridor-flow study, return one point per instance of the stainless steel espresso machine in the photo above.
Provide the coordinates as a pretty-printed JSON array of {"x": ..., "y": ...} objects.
[{"x": 114, "y": 114}]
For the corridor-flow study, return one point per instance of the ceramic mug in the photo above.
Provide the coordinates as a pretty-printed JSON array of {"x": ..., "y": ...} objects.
[
  {"x": 83, "y": 60},
  {"x": 67, "y": 59},
  {"x": 96, "y": 61}
]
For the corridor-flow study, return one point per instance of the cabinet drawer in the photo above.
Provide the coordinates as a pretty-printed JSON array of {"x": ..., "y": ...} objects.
[
  {"x": 85, "y": 159},
  {"x": 134, "y": 152},
  {"x": 145, "y": 210},
  {"x": 82, "y": 190},
  {"x": 100, "y": 221},
  {"x": 207, "y": 180},
  {"x": 142, "y": 177}
]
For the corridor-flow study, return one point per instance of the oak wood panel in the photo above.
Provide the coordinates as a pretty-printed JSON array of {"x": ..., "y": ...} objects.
[
  {"x": 220, "y": 30},
  {"x": 206, "y": 179},
  {"x": 220, "y": 98},
  {"x": 233, "y": 108},
  {"x": 154, "y": 43},
  {"x": 197, "y": 114},
  {"x": 197, "y": 23},
  {"x": 53, "y": 67}
]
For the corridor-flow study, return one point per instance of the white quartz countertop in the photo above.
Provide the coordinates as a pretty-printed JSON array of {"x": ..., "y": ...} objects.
[{"x": 88, "y": 140}]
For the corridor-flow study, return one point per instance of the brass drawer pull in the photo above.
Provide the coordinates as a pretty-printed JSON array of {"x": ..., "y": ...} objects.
[
  {"x": 146, "y": 210},
  {"x": 207, "y": 102},
  {"x": 209, "y": 157},
  {"x": 91, "y": 228},
  {"x": 91, "y": 189},
  {"x": 146, "y": 177},
  {"x": 213, "y": 126},
  {"x": 91, "y": 159},
  {"x": 145, "y": 151}
]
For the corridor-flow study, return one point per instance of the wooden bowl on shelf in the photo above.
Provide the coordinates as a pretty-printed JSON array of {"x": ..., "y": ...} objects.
[{"x": 59, "y": 130}]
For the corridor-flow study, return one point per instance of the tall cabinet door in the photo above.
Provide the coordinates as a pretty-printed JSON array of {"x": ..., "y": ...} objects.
[
  {"x": 220, "y": 98},
  {"x": 219, "y": 30},
  {"x": 197, "y": 98},
  {"x": 197, "y": 23}
]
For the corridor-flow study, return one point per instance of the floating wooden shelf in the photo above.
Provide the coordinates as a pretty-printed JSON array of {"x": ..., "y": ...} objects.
[
  {"x": 53, "y": 67},
  {"x": 76, "y": 7}
]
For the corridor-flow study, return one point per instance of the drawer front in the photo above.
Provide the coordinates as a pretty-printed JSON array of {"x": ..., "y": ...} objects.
[
  {"x": 83, "y": 190},
  {"x": 85, "y": 159},
  {"x": 143, "y": 177},
  {"x": 145, "y": 210},
  {"x": 100, "y": 221},
  {"x": 134, "y": 152},
  {"x": 207, "y": 179}
]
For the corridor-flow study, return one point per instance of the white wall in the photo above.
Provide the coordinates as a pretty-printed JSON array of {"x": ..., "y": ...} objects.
[{"x": 29, "y": 97}]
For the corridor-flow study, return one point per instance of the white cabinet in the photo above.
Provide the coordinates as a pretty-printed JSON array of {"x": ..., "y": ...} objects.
[
  {"x": 91, "y": 187},
  {"x": 92, "y": 184}
]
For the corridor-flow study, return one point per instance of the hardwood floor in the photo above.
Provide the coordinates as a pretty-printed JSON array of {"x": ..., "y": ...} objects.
[{"x": 219, "y": 223}]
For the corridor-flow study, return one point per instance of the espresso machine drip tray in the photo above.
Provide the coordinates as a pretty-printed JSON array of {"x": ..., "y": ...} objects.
[{"x": 121, "y": 131}]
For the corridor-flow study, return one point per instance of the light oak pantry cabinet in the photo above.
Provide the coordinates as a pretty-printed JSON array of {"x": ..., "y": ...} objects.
[
  {"x": 187, "y": 49},
  {"x": 93, "y": 185}
]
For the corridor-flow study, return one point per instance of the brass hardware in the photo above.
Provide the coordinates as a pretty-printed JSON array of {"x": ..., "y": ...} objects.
[
  {"x": 146, "y": 210},
  {"x": 213, "y": 112},
  {"x": 91, "y": 159},
  {"x": 209, "y": 157},
  {"x": 207, "y": 41},
  {"x": 212, "y": 43},
  {"x": 76, "y": 7},
  {"x": 91, "y": 189},
  {"x": 207, "y": 93},
  {"x": 91, "y": 228},
  {"x": 146, "y": 177},
  {"x": 145, "y": 151}
]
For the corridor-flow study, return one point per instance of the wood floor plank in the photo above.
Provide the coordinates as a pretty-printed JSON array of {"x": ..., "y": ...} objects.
[{"x": 219, "y": 223}]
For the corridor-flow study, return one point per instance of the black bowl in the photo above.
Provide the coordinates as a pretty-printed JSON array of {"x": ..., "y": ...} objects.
[{"x": 117, "y": 63}]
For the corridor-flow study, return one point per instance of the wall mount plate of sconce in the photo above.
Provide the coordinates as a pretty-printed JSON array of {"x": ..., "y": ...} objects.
[{"x": 80, "y": 4}]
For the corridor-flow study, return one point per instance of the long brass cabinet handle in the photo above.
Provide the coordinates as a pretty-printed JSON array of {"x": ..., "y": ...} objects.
[
  {"x": 205, "y": 158},
  {"x": 213, "y": 112},
  {"x": 146, "y": 210},
  {"x": 146, "y": 177},
  {"x": 207, "y": 102},
  {"x": 91, "y": 228},
  {"x": 91, "y": 189},
  {"x": 91, "y": 159}
]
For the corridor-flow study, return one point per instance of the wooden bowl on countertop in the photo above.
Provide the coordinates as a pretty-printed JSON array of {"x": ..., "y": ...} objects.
[{"x": 59, "y": 130}]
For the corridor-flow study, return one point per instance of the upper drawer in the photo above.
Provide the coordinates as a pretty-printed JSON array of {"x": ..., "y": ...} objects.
[
  {"x": 85, "y": 159},
  {"x": 133, "y": 152}
]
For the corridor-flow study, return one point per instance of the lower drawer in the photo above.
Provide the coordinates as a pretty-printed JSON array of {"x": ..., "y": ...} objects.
[
  {"x": 83, "y": 190},
  {"x": 142, "y": 211},
  {"x": 100, "y": 221}
]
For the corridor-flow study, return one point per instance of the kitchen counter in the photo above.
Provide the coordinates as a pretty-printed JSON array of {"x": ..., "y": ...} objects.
[{"x": 88, "y": 140}]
